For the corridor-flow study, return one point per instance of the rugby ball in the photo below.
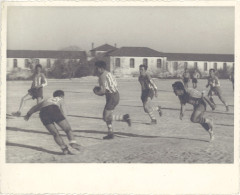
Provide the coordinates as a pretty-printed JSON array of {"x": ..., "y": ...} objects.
[{"x": 96, "y": 91}]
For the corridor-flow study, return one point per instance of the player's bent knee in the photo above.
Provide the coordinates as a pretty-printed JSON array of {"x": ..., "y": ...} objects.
[{"x": 194, "y": 119}]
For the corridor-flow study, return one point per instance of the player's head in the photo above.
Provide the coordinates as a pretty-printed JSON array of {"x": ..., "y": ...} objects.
[
  {"x": 58, "y": 93},
  {"x": 178, "y": 88},
  {"x": 142, "y": 69},
  {"x": 38, "y": 68},
  {"x": 211, "y": 71},
  {"x": 100, "y": 66}
]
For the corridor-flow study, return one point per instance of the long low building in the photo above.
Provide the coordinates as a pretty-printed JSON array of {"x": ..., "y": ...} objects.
[
  {"x": 202, "y": 62},
  {"x": 26, "y": 59}
]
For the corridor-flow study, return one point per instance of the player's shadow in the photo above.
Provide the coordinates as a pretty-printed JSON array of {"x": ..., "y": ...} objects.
[
  {"x": 190, "y": 110},
  {"x": 120, "y": 134},
  {"x": 225, "y": 125},
  {"x": 45, "y": 133},
  {"x": 92, "y": 117},
  {"x": 34, "y": 148}
]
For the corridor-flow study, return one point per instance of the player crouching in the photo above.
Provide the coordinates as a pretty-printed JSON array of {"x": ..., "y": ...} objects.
[
  {"x": 198, "y": 100},
  {"x": 52, "y": 111},
  {"x": 108, "y": 87}
]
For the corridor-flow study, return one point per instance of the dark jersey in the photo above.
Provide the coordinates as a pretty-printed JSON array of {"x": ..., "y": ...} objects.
[
  {"x": 213, "y": 81},
  {"x": 192, "y": 96},
  {"x": 145, "y": 82}
]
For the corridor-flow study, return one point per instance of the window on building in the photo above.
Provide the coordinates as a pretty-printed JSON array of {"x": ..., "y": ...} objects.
[
  {"x": 159, "y": 63},
  {"x": 205, "y": 66},
  {"x": 15, "y": 63},
  {"x": 145, "y": 61},
  {"x": 37, "y": 61},
  {"x": 224, "y": 66},
  {"x": 48, "y": 63},
  {"x": 132, "y": 63},
  {"x": 185, "y": 64},
  {"x": 117, "y": 62},
  {"x": 215, "y": 65},
  {"x": 195, "y": 65},
  {"x": 175, "y": 65},
  {"x": 26, "y": 63}
]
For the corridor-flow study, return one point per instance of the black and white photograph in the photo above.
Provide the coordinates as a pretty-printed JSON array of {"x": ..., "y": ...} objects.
[{"x": 120, "y": 85}]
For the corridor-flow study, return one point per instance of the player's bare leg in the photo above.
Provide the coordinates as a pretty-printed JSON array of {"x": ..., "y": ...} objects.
[
  {"x": 207, "y": 124},
  {"x": 224, "y": 102},
  {"x": 65, "y": 126},
  {"x": 149, "y": 110},
  {"x": 107, "y": 117},
  {"x": 58, "y": 139},
  {"x": 22, "y": 103}
]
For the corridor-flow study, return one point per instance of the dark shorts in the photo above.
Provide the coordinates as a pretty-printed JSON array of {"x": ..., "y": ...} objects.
[
  {"x": 215, "y": 91},
  {"x": 194, "y": 80},
  {"x": 51, "y": 114},
  {"x": 36, "y": 93},
  {"x": 112, "y": 100},
  {"x": 185, "y": 80},
  {"x": 147, "y": 93}
]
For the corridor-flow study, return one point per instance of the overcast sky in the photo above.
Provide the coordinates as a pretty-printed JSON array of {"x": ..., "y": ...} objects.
[{"x": 166, "y": 29}]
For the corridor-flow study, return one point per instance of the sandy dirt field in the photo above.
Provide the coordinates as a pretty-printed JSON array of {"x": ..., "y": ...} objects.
[{"x": 170, "y": 141}]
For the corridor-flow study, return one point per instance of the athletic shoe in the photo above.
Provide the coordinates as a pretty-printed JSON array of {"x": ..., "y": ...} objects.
[
  {"x": 127, "y": 119},
  {"x": 109, "y": 136},
  {"x": 16, "y": 113},
  {"x": 66, "y": 151},
  {"x": 75, "y": 146},
  {"x": 159, "y": 111},
  {"x": 153, "y": 122}
]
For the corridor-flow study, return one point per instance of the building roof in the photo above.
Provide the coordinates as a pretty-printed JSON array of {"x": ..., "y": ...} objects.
[
  {"x": 136, "y": 52},
  {"x": 199, "y": 57},
  {"x": 46, "y": 54},
  {"x": 104, "y": 47}
]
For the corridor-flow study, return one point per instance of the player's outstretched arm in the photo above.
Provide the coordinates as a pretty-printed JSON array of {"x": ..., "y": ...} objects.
[
  {"x": 32, "y": 111},
  {"x": 182, "y": 111},
  {"x": 45, "y": 83},
  {"x": 154, "y": 87}
]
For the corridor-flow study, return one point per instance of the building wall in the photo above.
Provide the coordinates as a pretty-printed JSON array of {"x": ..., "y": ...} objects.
[
  {"x": 200, "y": 64},
  {"x": 33, "y": 61},
  {"x": 125, "y": 68}
]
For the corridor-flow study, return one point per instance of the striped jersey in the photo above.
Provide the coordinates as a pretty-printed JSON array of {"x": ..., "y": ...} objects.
[
  {"x": 107, "y": 81},
  {"x": 145, "y": 81},
  {"x": 192, "y": 96},
  {"x": 213, "y": 81},
  {"x": 195, "y": 75},
  {"x": 39, "y": 80}
]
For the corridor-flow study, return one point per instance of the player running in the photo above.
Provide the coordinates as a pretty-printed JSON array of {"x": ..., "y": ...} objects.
[
  {"x": 108, "y": 87},
  {"x": 52, "y": 110},
  {"x": 194, "y": 78},
  {"x": 149, "y": 89},
  {"x": 214, "y": 84},
  {"x": 198, "y": 100},
  {"x": 36, "y": 91},
  {"x": 186, "y": 77}
]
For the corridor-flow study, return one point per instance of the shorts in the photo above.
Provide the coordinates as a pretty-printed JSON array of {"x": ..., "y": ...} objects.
[
  {"x": 194, "y": 80},
  {"x": 112, "y": 100},
  {"x": 36, "y": 93},
  {"x": 146, "y": 94},
  {"x": 51, "y": 114},
  {"x": 185, "y": 80},
  {"x": 215, "y": 90}
]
